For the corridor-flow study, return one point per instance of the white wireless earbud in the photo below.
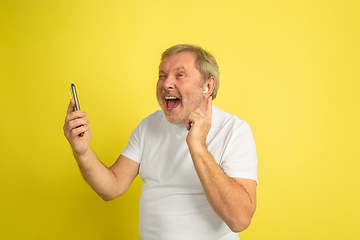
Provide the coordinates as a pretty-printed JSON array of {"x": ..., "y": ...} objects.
[{"x": 206, "y": 90}]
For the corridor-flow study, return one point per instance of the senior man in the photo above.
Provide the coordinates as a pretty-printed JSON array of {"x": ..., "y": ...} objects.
[{"x": 198, "y": 163}]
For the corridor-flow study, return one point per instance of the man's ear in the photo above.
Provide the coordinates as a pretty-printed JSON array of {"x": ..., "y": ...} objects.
[{"x": 209, "y": 87}]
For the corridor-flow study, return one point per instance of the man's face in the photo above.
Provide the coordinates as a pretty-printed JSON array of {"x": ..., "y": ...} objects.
[{"x": 178, "y": 89}]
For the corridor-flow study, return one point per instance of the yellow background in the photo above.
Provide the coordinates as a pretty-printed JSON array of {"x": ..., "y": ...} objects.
[{"x": 289, "y": 68}]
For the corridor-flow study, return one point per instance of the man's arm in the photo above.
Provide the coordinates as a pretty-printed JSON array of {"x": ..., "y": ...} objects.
[
  {"x": 232, "y": 199},
  {"x": 108, "y": 183}
]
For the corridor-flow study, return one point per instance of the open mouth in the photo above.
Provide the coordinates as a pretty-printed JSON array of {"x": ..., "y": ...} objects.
[{"x": 172, "y": 102}]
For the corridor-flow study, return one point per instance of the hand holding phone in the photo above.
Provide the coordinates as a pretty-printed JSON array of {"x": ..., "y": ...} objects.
[{"x": 73, "y": 95}]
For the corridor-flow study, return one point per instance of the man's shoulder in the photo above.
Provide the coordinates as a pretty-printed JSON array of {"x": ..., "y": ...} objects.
[
  {"x": 154, "y": 118},
  {"x": 224, "y": 118},
  {"x": 158, "y": 114}
]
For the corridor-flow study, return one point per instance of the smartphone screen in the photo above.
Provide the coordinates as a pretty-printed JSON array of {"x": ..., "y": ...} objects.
[{"x": 74, "y": 96}]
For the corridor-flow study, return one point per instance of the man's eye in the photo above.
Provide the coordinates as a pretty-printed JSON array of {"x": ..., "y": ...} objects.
[{"x": 162, "y": 77}]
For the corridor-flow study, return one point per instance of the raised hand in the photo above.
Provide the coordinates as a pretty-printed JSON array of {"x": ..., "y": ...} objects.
[
  {"x": 198, "y": 124},
  {"x": 75, "y": 124}
]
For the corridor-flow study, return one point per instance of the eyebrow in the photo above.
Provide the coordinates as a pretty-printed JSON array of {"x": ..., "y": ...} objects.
[
  {"x": 177, "y": 69},
  {"x": 180, "y": 69}
]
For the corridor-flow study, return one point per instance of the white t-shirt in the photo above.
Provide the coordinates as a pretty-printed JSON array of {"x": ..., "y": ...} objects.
[{"x": 173, "y": 205}]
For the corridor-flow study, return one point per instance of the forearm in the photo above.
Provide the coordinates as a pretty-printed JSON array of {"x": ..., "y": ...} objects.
[
  {"x": 100, "y": 178},
  {"x": 230, "y": 201}
]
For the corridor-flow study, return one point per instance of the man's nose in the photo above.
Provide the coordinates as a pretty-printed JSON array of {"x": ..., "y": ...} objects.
[{"x": 169, "y": 83}]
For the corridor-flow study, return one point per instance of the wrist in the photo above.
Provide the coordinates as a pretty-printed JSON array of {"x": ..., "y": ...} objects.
[
  {"x": 198, "y": 149},
  {"x": 83, "y": 157}
]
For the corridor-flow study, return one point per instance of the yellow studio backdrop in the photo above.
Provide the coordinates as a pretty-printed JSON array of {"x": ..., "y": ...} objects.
[{"x": 288, "y": 68}]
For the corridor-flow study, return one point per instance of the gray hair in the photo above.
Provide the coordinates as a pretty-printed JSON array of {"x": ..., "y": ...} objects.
[{"x": 205, "y": 62}]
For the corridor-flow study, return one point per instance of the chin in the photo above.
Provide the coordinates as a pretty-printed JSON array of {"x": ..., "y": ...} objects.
[
  {"x": 174, "y": 120},
  {"x": 170, "y": 116}
]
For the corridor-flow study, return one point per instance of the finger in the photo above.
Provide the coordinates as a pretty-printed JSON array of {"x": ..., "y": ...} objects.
[
  {"x": 77, "y": 122},
  {"x": 74, "y": 115},
  {"x": 73, "y": 122},
  {"x": 189, "y": 122},
  {"x": 79, "y": 130},
  {"x": 71, "y": 106},
  {"x": 208, "y": 111}
]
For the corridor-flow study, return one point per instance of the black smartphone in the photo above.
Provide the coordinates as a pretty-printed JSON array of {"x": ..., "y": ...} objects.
[{"x": 74, "y": 96}]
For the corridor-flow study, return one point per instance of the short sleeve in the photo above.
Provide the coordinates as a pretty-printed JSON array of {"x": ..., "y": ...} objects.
[
  {"x": 240, "y": 159},
  {"x": 132, "y": 150}
]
